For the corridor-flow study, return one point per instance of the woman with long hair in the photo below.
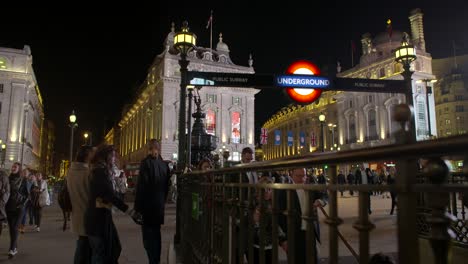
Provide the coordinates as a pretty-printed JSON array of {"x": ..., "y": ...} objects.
[
  {"x": 102, "y": 234},
  {"x": 15, "y": 205}
]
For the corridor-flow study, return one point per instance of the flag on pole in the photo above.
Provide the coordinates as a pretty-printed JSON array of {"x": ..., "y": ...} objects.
[
  {"x": 313, "y": 139},
  {"x": 290, "y": 138},
  {"x": 389, "y": 28},
  {"x": 263, "y": 136},
  {"x": 277, "y": 137},
  {"x": 302, "y": 138},
  {"x": 210, "y": 20}
]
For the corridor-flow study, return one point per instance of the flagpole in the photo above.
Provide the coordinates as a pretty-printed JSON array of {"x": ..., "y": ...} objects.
[
  {"x": 211, "y": 31},
  {"x": 352, "y": 54}
]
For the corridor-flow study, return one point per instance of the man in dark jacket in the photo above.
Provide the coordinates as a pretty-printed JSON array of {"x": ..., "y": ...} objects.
[{"x": 150, "y": 197}]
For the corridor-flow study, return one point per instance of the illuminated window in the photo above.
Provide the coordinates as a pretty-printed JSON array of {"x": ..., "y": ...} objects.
[
  {"x": 235, "y": 127},
  {"x": 3, "y": 64},
  {"x": 397, "y": 68},
  {"x": 211, "y": 122},
  {"x": 447, "y": 121}
]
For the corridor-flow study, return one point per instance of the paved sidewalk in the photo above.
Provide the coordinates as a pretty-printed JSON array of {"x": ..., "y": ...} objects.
[{"x": 52, "y": 245}]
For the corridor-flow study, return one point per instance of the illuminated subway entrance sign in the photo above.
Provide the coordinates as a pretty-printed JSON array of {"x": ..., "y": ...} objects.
[{"x": 303, "y": 89}]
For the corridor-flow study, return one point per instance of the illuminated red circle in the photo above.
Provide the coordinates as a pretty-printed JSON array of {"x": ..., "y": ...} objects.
[{"x": 303, "y": 96}]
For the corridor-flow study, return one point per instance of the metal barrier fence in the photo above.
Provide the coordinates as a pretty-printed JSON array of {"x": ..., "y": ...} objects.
[{"x": 217, "y": 209}]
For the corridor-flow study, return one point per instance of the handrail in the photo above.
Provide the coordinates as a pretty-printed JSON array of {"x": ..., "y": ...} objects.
[{"x": 429, "y": 148}]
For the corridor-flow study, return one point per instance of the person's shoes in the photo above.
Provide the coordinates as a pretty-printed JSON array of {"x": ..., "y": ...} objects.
[
  {"x": 38, "y": 229},
  {"x": 12, "y": 252}
]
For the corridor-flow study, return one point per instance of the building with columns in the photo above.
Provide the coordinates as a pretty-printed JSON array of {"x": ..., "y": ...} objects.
[
  {"x": 21, "y": 108},
  {"x": 451, "y": 93},
  {"x": 361, "y": 119},
  {"x": 154, "y": 110}
]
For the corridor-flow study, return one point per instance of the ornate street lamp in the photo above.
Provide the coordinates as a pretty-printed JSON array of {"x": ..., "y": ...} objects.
[
  {"x": 322, "y": 140},
  {"x": 184, "y": 41},
  {"x": 428, "y": 92},
  {"x": 406, "y": 54},
  {"x": 72, "y": 125}
]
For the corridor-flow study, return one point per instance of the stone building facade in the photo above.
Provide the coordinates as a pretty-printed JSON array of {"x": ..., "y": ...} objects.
[{"x": 21, "y": 108}]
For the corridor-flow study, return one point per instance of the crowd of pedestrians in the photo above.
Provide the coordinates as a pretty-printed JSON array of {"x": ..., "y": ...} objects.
[{"x": 23, "y": 194}]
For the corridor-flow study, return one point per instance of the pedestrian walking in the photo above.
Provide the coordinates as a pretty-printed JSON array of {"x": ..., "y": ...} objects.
[
  {"x": 150, "y": 199},
  {"x": 4, "y": 195},
  {"x": 15, "y": 205},
  {"x": 102, "y": 234},
  {"x": 341, "y": 180},
  {"x": 391, "y": 181},
  {"x": 78, "y": 185}
]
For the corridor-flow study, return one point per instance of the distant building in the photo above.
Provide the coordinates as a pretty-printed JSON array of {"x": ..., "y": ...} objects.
[
  {"x": 47, "y": 148},
  {"x": 155, "y": 108},
  {"x": 451, "y": 93},
  {"x": 357, "y": 119},
  {"x": 21, "y": 108}
]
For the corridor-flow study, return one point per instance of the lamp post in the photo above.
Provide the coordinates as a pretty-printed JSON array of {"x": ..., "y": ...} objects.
[
  {"x": 184, "y": 41},
  {"x": 332, "y": 129},
  {"x": 322, "y": 140},
  {"x": 86, "y": 135},
  {"x": 428, "y": 92},
  {"x": 406, "y": 54},
  {"x": 72, "y": 125}
]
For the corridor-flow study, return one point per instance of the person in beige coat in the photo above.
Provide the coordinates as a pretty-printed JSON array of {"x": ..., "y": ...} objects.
[{"x": 78, "y": 184}]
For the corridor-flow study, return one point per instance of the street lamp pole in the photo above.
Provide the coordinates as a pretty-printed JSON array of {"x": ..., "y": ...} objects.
[
  {"x": 406, "y": 54},
  {"x": 73, "y": 124},
  {"x": 322, "y": 139},
  {"x": 184, "y": 41}
]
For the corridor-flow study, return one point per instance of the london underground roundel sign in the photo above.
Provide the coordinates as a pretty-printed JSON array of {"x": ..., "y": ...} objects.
[{"x": 303, "y": 95}]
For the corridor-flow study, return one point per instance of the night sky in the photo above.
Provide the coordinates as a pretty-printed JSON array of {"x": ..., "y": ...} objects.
[{"x": 91, "y": 59}]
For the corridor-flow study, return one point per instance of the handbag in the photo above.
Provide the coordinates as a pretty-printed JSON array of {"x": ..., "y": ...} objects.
[{"x": 44, "y": 198}]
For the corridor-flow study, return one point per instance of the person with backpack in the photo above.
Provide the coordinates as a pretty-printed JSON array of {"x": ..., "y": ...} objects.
[
  {"x": 15, "y": 205},
  {"x": 78, "y": 189}
]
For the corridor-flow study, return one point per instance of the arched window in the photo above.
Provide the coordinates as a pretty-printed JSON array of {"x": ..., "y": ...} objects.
[
  {"x": 352, "y": 129},
  {"x": 211, "y": 122},
  {"x": 372, "y": 124},
  {"x": 235, "y": 127},
  {"x": 382, "y": 72}
]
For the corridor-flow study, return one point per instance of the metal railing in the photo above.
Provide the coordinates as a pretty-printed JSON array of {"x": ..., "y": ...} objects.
[{"x": 217, "y": 207}]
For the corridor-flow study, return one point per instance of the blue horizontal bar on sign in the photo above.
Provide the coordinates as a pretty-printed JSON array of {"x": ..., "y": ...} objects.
[{"x": 302, "y": 81}]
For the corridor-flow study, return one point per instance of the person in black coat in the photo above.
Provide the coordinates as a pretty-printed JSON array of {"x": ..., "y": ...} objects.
[
  {"x": 102, "y": 234},
  {"x": 350, "y": 179},
  {"x": 15, "y": 205},
  {"x": 341, "y": 180},
  {"x": 150, "y": 197},
  {"x": 298, "y": 176},
  {"x": 362, "y": 177}
]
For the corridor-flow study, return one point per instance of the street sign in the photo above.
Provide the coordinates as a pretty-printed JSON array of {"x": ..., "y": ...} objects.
[
  {"x": 302, "y": 81},
  {"x": 229, "y": 79},
  {"x": 368, "y": 85}
]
